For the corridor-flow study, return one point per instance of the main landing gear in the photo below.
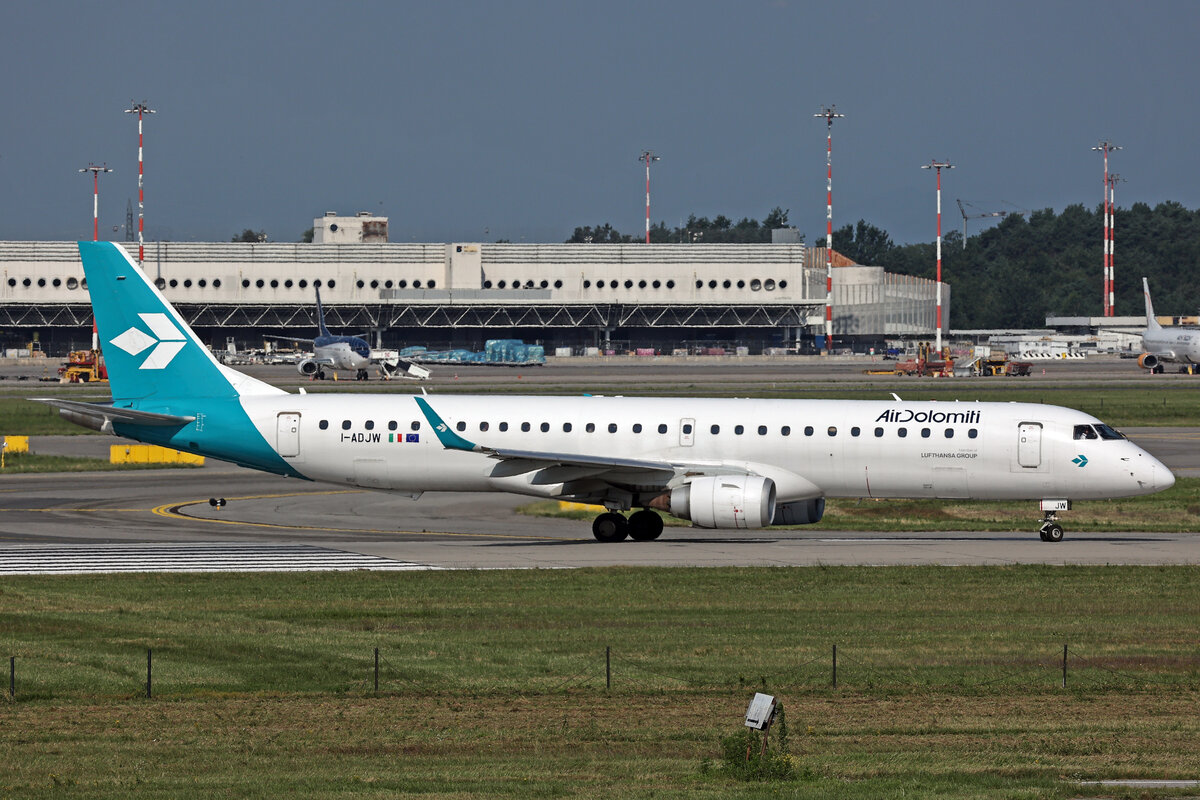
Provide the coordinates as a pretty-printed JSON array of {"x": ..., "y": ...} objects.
[
  {"x": 362, "y": 375},
  {"x": 641, "y": 526},
  {"x": 1051, "y": 531}
]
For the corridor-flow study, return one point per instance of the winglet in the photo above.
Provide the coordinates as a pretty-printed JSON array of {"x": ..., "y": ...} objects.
[{"x": 449, "y": 439}]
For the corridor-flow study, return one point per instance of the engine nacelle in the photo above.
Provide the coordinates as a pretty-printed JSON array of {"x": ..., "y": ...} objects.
[
  {"x": 739, "y": 501},
  {"x": 802, "y": 512},
  {"x": 308, "y": 367},
  {"x": 1148, "y": 361}
]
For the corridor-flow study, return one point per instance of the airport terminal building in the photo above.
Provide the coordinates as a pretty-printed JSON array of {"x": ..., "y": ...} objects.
[{"x": 619, "y": 297}]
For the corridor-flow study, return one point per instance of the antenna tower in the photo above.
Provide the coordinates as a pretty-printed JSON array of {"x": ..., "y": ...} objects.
[
  {"x": 830, "y": 114},
  {"x": 140, "y": 109},
  {"x": 1106, "y": 147}
]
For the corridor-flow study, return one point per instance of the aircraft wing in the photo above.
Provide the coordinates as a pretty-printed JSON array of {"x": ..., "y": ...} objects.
[
  {"x": 101, "y": 416},
  {"x": 616, "y": 470}
]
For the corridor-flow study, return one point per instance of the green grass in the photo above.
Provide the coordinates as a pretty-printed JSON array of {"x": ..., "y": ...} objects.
[
  {"x": 493, "y": 682},
  {"x": 1173, "y": 511},
  {"x": 15, "y": 463},
  {"x": 26, "y": 418}
]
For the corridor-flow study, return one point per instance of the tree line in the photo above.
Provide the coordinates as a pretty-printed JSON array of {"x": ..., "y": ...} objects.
[{"x": 1014, "y": 274}]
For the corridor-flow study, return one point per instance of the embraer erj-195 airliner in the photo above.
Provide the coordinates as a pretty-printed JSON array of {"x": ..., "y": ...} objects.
[{"x": 721, "y": 463}]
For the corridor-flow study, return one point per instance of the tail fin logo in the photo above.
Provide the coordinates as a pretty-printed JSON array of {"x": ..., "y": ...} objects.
[{"x": 167, "y": 339}]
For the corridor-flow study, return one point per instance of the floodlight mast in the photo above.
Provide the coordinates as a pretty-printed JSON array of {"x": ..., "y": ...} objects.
[
  {"x": 938, "y": 166},
  {"x": 1113, "y": 180},
  {"x": 648, "y": 156},
  {"x": 140, "y": 109},
  {"x": 92, "y": 168},
  {"x": 830, "y": 114},
  {"x": 1106, "y": 147}
]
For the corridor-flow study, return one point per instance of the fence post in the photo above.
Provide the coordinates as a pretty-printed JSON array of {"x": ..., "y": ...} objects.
[
  {"x": 149, "y": 665},
  {"x": 12, "y": 677},
  {"x": 608, "y": 667},
  {"x": 1064, "y": 665},
  {"x": 835, "y": 666},
  {"x": 376, "y": 670}
]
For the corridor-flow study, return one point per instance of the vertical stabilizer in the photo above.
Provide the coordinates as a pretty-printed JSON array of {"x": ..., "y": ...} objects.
[
  {"x": 321, "y": 329},
  {"x": 149, "y": 350},
  {"x": 1151, "y": 322}
]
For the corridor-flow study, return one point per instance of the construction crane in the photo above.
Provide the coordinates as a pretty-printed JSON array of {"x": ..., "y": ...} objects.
[{"x": 967, "y": 216}]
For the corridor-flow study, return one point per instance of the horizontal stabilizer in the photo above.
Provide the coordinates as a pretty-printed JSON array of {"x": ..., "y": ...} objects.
[{"x": 101, "y": 416}]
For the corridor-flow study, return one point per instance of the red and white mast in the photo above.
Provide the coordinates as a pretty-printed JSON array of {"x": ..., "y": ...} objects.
[
  {"x": 92, "y": 168},
  {"x": 1105, "y": 147},
  {"x": 938, "y": 166},
  {"x": 648, "y": 156},
  {"x": 140, "y": 109},
  {"x": 830, "y": 114}
]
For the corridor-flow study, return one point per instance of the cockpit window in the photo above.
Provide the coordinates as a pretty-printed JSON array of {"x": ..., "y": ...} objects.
[
  {"x": 1084, "y": 432},
  {"x": 1109, "y": 433},
  {"x": 1097, "y": 431}
]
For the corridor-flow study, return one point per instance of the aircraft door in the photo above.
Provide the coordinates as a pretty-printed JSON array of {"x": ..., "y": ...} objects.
[
  {"x": 287, "y": 435},
  {"x": 687, "y": 432},
  {"x": 1029, "y": 444}
]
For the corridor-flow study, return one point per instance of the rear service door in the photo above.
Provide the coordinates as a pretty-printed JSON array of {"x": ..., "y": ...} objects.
[
  {"x": 1029, "y": 445},
  {"x": 287, "y": 435}
]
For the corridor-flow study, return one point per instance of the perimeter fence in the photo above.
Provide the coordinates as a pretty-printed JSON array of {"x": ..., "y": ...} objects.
[{"x": 181, "y": 673}]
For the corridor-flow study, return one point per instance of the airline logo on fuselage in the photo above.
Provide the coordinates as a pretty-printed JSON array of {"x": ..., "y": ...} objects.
[{"x": 908, "y": 415}]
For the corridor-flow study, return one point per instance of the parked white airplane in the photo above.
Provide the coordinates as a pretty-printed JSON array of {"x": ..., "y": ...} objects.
[
  {"x": 347, "y": 353},
  {"x": 722, "y": 463},
  {"x": 1171, "y": 345}
]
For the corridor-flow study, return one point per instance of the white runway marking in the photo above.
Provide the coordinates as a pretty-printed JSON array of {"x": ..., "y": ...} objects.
[{"x": 231, "y": 557}]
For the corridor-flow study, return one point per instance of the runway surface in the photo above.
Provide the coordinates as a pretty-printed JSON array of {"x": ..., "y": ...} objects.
[{"x": 287, "y": 518}]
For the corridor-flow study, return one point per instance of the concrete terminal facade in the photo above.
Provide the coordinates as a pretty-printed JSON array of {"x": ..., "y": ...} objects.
[{"x": 767, "y": 295}]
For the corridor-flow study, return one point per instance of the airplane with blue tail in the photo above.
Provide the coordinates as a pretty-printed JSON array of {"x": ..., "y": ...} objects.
[{"x": 720, "y": 462}]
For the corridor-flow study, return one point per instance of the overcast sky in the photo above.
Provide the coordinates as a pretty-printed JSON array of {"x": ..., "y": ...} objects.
[{"x": 474, "y": 121}]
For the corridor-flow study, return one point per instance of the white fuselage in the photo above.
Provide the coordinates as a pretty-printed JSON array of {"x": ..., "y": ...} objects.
[
  {"x": 1173, "y": 344},
  {"x": 809, "y": 448}
]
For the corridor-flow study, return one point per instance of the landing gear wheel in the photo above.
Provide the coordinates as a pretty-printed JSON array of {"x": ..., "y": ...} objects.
[
  {"x": 1052, "y": 532},
  {"x": 610, "y": 527},
  {"x": 362, "y": 375},
  {"x": 320, "y": 374},
  {"x": 645, "y": 526}
]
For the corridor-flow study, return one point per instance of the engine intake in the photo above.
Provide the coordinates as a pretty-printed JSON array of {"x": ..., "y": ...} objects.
[
  {"x": 1148, "y": 361},
  {"x": 308, "y": 367},
  {"x": 740, "y": 501}
]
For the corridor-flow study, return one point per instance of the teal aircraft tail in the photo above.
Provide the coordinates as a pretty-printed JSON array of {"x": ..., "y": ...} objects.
[{"x": 149, "y": 350}]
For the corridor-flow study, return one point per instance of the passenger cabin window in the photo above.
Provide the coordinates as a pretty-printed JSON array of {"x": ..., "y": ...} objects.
[
  {"x": 369, "y": 425},
  {"x": 714, "y": 430},
  {"x": 503, "y": 426},
  {"x": 566, "y": 427},
  {"x": 924, "y": 433},
  {"x": 832, "y": 430},
  {"x": 590, "y": 427},
  {"x": 878, "y": 433},
  {"x": 483, "y": 426},
  {"x": 461, "y": 426},
  {"x": 345, "y": 424},
  {"x": 612, "y": 427},
  {"x": 525, "y": 427},
  {"x": 739, "y": 429},
  {"x": 323, "y": 424},
  {"x": 545, "y": 427},
  {"x": 902, "y": 432},
  {"x": 855, "y": 431},
  {"x": 415, "y": 425},
  {"x": 392, "y": 425},
  {"x": 949, "y": 433},
  {"x": 762, "y": 430},
  {"x": 662, "y": 428},
  {"x": 972, "y": 433},
  {"x": 808, "y": 430},
  {"x": 786, "y": 430}
]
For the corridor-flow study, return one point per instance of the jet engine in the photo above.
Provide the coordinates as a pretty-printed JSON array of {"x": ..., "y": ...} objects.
[
  {"x": 738, "y": 501},
  {"x": 802, "y": 512},
  {"x": 1148, "y": 361},
  {"x": 308, "y": 367}
]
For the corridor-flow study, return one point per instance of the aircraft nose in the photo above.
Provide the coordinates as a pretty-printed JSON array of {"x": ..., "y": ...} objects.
[{"x": 1153, "y": 475}]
